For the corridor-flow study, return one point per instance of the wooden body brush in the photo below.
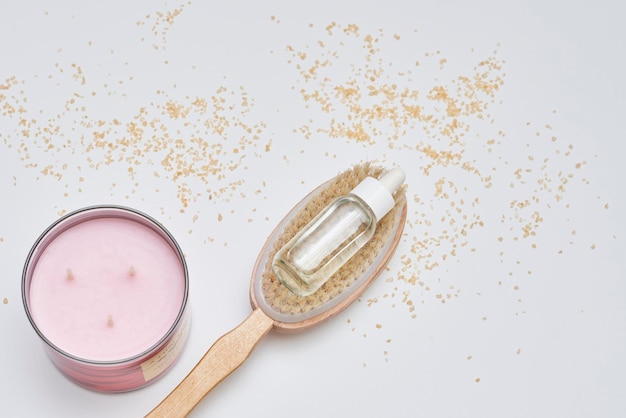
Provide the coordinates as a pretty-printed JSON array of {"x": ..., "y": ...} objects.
[{"x": 275, "y": 307}]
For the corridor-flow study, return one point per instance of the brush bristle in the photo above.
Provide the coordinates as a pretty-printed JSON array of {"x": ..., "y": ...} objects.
[{"x": 282, "y": 299}]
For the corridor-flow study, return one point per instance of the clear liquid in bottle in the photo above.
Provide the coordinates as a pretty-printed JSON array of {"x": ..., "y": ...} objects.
[{"x": 326, "y": 243}]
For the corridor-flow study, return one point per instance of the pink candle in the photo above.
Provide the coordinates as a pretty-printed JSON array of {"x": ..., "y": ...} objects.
[{"x": 106, "y": 289}]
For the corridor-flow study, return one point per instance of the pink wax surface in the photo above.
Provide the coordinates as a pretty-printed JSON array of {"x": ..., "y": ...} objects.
[{"x": 124, "y": 293}]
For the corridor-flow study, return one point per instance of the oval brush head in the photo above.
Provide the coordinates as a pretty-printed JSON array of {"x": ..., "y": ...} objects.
[{"x": 292, "y": 312}]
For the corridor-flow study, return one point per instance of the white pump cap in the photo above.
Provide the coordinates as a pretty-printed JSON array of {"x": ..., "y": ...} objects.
[{"x": 378, "y": 194}]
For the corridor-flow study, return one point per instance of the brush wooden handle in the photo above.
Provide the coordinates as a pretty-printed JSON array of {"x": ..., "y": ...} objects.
[{"x": 224, "y": 356}]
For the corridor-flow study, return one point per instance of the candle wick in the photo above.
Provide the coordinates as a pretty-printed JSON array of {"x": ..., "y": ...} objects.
[
  {"x": 110, "y": 320},
  {"x": 70, "y": 274},
  {"x": 132, "y": 271}
]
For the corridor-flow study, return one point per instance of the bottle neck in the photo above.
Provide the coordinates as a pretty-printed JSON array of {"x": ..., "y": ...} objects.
[{"x": 375, "y": 195}]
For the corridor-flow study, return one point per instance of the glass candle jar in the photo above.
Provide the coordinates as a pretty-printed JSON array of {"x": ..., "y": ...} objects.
[{"x": 106, "y": 288}]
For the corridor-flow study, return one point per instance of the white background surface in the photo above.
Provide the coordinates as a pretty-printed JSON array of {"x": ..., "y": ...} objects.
[{"x": 533, "y": 322}]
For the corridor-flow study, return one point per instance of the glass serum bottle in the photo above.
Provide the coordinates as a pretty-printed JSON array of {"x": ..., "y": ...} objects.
[{"x": 326, "y": 243}]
